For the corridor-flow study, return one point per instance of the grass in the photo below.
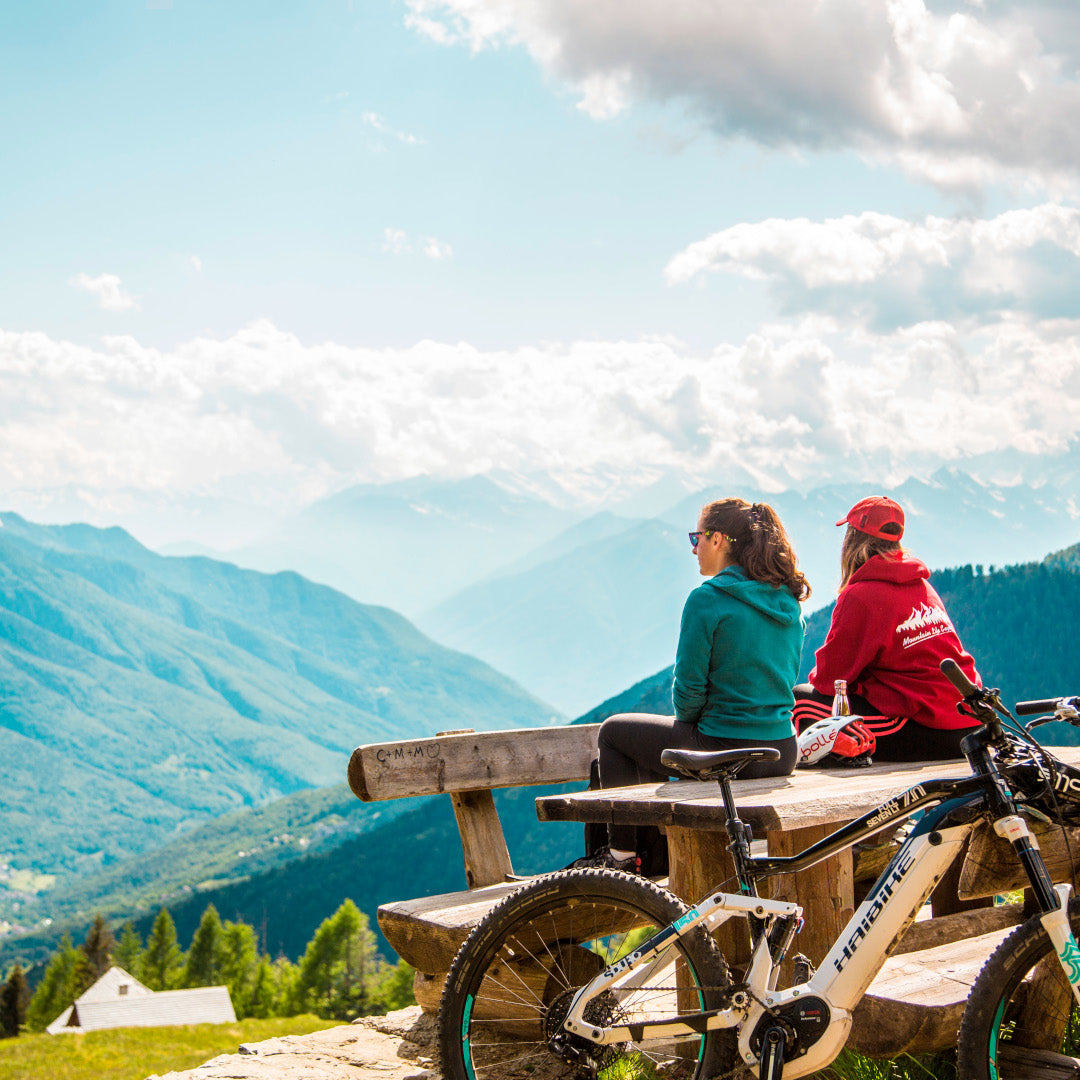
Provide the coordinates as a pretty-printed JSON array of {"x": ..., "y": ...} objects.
[
  {"x": 135, "y": 1053},
  {"x": 853, "y": 1066}
]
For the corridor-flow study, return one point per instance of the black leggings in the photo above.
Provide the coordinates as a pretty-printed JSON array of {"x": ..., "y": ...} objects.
[
  {"x": 630, "y": 746},
  {"x": 898, "y": 738}
]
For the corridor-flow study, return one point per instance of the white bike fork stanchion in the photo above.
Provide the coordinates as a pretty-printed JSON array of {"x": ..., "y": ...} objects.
[{"x": 1056, "y": 924}]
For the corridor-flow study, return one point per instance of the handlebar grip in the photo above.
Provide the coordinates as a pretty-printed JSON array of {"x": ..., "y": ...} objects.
[
  {"x": 1030, "y": 708},
  {"x": 963, "y": 685}
]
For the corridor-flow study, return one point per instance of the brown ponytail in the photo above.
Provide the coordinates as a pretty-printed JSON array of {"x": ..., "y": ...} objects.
[
  {"x": 758, "y": 541},
  {"x": 859, "y": 548}
]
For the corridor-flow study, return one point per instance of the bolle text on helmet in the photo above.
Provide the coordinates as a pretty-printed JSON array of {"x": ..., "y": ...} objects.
[{"x": 818, "y": 743}]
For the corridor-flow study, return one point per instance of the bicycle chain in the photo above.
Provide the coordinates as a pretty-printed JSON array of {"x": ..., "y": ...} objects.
[{"x": 739, "y": 1071}]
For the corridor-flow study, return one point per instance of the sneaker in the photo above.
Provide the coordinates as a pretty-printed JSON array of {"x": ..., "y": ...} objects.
[{"x": 603, "y": 860}]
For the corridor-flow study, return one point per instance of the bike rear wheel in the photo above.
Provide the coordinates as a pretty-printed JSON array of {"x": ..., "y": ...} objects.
[
  {"x": 511, "y": 983},
  {"x": 1022, "y": 1021}
]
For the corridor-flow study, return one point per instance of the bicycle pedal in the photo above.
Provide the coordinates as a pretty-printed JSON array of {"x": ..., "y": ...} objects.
[{"x": 802, "y": 969}]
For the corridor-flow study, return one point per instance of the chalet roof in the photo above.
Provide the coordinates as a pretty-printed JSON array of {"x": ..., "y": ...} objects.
[
  {"x": 112, "y": 985},
  {"x": 118, "y": 999}
]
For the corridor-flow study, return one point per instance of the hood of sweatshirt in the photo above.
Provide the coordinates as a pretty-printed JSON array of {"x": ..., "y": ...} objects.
[
  {"x": 772, "y": 600},
  {"x": 900, "y": 568}
]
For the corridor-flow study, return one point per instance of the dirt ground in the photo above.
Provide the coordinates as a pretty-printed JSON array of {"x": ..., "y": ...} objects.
[{"x": 398, "y": 1046}]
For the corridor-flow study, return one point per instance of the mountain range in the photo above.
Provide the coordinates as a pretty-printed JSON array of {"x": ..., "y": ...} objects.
[
  {"x": 408, "y": 544},
  {"x": 581, "y": 625},
  {"x": 141, "y": 694}
]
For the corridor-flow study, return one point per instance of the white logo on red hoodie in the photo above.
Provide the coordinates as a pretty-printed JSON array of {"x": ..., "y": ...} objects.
[{"x": 925, "y": 621}]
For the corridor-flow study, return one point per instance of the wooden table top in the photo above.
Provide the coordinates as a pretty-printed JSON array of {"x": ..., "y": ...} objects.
[{"x": 807, "y": 797}]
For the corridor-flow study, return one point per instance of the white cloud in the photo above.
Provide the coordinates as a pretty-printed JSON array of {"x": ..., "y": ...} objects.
[
  {"x": 437, "y": 249},
  {"x": 957, "y": 93},
  {"x": 195, "y": 262},
  {"x": 379, "y": 124},
  {"x": 903, "y": 271},
  {"x": 396, "y": 242},
  {"x": 107, "y": 288},
  {"x": 261, "y": 419}
]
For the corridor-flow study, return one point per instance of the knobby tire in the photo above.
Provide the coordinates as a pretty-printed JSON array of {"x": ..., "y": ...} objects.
[
  {"x": 512, "y": 980},
  {"x": 1022, "y": 1021}
]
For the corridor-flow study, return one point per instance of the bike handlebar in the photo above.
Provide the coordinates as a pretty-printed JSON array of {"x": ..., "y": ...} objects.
[
  {"x": 963, "y": 685},
  {"x": 1030, "y": 708}
]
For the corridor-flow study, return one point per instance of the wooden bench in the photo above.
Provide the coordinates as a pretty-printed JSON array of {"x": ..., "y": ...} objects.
[{"x": 467, "y": 766}]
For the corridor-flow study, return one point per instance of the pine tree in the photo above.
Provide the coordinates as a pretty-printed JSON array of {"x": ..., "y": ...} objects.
[
  {"x": 239, "y": 963},
  {"x": 395, "y": 989},
  {"x": 287, "y": 994},
  {"x": 263, "y": 1000},
  {"x": 14, "y": 1002},
  {"x": 162, "y": 962},
  {"x": 128, "y": 951},
  {"x": 56, "y": 991},
  {"x": 203, "y": 966},
  {"x": 97, "y": 948},
  {"x": 339, "y": 966}
]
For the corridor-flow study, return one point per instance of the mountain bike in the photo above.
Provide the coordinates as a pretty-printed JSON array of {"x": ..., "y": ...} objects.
[{"x": 605, "y": 974}]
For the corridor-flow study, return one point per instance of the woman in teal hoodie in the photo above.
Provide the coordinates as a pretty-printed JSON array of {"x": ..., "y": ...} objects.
[{"x": 738, "y": 657}]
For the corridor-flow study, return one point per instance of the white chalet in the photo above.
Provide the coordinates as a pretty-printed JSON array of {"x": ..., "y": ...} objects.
[{"x": 118, "y": 999}]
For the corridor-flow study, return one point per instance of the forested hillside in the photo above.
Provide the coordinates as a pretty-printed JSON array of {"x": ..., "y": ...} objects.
[
  {"x": 140, "y": 694},
  {"x": 222, "y": 851},
  {"x": 1069, "y": 558},
  {"x": 416, "y": 852}
]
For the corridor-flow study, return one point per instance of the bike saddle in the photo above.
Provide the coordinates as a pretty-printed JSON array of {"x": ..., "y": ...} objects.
[{"x": 715, "y": 764}]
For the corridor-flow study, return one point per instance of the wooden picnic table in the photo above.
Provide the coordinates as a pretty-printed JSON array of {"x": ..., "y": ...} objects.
[
  {"x": 913, "y": 1005},
  {"x": 789, "y": 813}
]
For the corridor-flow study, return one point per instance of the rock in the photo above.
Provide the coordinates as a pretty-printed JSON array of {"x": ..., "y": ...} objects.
[{"x": 398, "y": 1046}]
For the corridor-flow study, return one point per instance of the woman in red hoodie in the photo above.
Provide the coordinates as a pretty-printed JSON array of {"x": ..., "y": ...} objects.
[{"x": 889, "y": 633}]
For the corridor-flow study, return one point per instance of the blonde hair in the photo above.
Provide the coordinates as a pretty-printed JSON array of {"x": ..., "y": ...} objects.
[
  {"x": 759, "y": 543},
  {"x": 859, "y": 548}
]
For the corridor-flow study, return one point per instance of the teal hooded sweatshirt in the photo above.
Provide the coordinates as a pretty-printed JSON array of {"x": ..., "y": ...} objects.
[{"x": 738, "y": 658}]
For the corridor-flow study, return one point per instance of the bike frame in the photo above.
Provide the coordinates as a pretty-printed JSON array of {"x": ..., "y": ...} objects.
[{"x": 865, "y": 942}]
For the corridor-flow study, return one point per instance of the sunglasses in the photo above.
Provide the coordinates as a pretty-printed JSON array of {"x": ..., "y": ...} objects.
[{"x": 695, "y": 537}]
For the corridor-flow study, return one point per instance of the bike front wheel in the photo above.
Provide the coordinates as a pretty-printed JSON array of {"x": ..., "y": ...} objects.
[
  {"x": 512, "y": 982},
  {"x": 1022, "y": 1021}
]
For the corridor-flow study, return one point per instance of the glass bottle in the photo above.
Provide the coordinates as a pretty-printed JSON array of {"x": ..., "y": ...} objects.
[{"x": 840, "y": 704}]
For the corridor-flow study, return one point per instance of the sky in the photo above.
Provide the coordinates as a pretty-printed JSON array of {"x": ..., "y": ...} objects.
[{"x": 251, "y": 254}]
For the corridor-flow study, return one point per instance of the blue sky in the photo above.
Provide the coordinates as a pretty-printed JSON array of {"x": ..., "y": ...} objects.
[
  {"x": 251, "y": 253},
  {"x": 276, "y": 144}
]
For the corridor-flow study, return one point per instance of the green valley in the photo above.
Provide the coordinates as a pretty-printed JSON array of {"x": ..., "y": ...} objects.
[{"x": 141, "y": 695}]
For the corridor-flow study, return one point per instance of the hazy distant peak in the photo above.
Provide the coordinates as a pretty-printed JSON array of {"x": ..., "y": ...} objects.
[{"x": 110, "y": 541}]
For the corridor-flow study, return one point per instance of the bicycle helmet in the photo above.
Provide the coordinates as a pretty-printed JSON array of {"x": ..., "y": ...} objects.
[{"x": 836, "y": 741}]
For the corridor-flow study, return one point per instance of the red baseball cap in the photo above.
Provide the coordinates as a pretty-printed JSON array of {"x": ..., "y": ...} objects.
[{"x": 872, "y": 515}]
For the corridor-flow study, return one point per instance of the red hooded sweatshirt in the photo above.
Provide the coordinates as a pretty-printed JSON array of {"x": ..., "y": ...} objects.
[{"x": 889, "y": 633}]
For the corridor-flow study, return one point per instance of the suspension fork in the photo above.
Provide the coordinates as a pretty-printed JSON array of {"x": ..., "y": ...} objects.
[
  {"x": 1009, "y": 825},
  {"x": 1053, "y": 899},
  {"x": 1056, "y": 925}
]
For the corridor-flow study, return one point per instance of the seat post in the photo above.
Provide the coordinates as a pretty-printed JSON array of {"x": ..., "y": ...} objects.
[{"x": 739, "y": 836}]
